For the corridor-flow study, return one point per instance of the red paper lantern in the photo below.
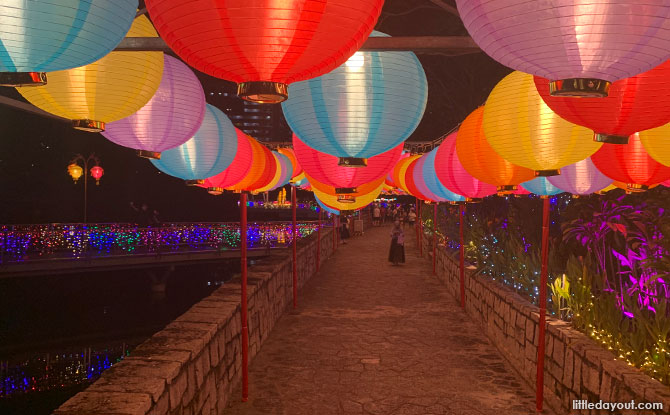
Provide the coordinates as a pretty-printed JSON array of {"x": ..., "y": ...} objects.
[
  {"x": 410, "y": 182},
  {"x": 265, "y": 44},
  {"x": 632, "y": 105},
  {"x": 270, "y": 164},
  {"x": 96, "y": 173},
  {"x": 262, "y": 170},
  {"x": 326, "y": 169},
  {"x": 630, "y": 164},
  {"x": 237, "y": 170}
]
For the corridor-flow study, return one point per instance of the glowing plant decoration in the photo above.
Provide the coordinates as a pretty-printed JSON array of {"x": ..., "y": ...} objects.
[
  {"x": 523, "y": 130},
  {"x": 39, "y": 36},
  {"x": 363, "y": 108},
  {"x": 106, "y": 90},
  {"x": 265, "y": 44},
  {"x": 169, "y": 119},
  {"x": 582, "y": 46},
  {"x": 541, "y": 186},
  {"x": 581, "y": 178},
  {"x": 210, "y": 151}
]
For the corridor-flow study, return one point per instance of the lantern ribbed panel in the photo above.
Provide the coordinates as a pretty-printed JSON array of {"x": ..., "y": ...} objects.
[
  {"x": 169, "y": 119},
  {"x": 630, "y": 163},
  {"x": 368, "y": 105},
  {"x": 238, "y": 168},
  {"x": 324, "y": 167},
  {"x": 48, "y": 35},
  {"x": 523, "y": 130},
  {"x": 480, "y": 160},
  {"x": 107, "y": 90},
  {"x": 399, "y": 170},
  {"x": 541, "y": 186},
  {"x": 559, "y": 39},
  {"x": 269, "y": 164},
  {"x": 657, "y": 143},
  {"x": 581, "y": 178},
  {"x": 210, "y": 151},
  {"x": 257, "y": 170},
  {"x": 412, "y": 179},
  {"x": 264, "y": 40},
  {"x": 288, "y": 152},
  {"x": 632, "y": 104},
  {"x": 418, "y": 175},
  {"x": 276, "y": 177},
  {"x": 451, "y": 173},
  {"x": 432, "y": 182},
  {"x": 287, "y": 170},
  {"x": 326, "y": 207},
  {"x": 365, "y": 195}
]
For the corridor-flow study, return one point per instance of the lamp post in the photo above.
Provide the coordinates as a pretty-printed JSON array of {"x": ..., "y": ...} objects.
[{"x": 75, "y": 171}]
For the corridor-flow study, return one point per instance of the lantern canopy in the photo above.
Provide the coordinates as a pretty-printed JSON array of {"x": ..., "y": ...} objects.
[
  {"x": 324, "y": 167},
  {"x": 481, "y": 161},
  {"x": 40, "y": 36},
  {"x": 523, "y": 130},
  {"x": 451, "y": 173},
  {"x": 169, "y": 119},
  {"x": 266, "y": 44},
  {"x": 209, "y": 152},
  {"x": 633, "y": 104},
  {"x": 238, "y": 168},
  {"x": 366, "y": 106},
  {"x": 106, "y": 90},
  {"x": 541, "y": 186},
  {"x": 630, "y": 164},
  {"x": 432, "y": 182},
  {"x": 581, "y": 178},
  {"x": 581, "y": 46},
  {"x": 657, "y": 143}
]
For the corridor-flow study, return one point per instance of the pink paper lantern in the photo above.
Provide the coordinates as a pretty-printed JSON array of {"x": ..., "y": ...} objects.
[
  {"x": 418, "y": 172},
  {"x": 324, "y": 168},
  {"x": 582, "y": 46},
  {"x": 453, "y": 175},
  {"x": 237, "y": 170},
  {"x": 169, "y": 119},
  {"x": 581, "y": 178}
]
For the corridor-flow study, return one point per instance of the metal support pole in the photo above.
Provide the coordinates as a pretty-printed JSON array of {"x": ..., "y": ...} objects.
[
  {"x": 418, "y": 222},
  {"x": 434, "y": 237},
  {"x": 294, "y": 231},
  {"x": 243, "y": 303},
  {"x": 461, "y": 209},
  {"x": 334, "y": 232},
  {"x": 337, "y": 231},
  {"x": 85, "y": 191},
  {"x": 318, "y": 241},
  {"x": 539, "y": 397}
]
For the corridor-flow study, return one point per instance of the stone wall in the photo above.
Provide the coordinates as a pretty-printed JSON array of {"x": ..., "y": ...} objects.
[
  {"x": 576, "y": 367},
  {"x": 191, "y": 366}
]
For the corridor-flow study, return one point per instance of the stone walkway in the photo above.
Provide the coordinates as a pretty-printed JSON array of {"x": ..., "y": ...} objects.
[{"x": 373, "y": 338}]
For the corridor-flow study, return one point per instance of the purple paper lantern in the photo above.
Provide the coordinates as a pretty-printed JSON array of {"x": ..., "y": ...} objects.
[
  {"x": 169, "y": 119},
  {"x": 581, "y": 178},
  {"x": 580, "y": 46}
]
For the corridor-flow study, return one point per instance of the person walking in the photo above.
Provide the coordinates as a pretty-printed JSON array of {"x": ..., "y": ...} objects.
[
  {"x": 397, "y": 250},
  {"x": 376, "y": 215},
  {"x": 411, "y": 217}
]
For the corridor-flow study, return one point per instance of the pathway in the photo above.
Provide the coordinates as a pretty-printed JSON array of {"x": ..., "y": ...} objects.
[{"x": 372, "y": 338}]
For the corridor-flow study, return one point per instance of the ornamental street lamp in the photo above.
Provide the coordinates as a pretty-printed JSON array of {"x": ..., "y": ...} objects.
[{"x": 75, "y": 171}]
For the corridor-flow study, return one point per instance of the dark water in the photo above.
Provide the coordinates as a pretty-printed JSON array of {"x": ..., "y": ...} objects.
[{"x": 58, "y": 333}]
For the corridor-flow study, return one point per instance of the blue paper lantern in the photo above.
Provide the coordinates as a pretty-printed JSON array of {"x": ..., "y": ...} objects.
[
  {"x": 541, "y": 186},
  {"x": 38, "y": 36},
  {"x": 368, "y": 105},
  {"x": 209, "y": 152},
  {"x": 287, "y": 170},
  {"x": 432, "y": 182}
]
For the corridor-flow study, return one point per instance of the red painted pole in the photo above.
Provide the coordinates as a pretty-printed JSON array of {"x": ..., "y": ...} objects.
[
  {"x": 418, "y": 216},
  {"x": 337, "y": 230},
  {"x": 539, "y": 397},
  {"x": 461, "y": 209},
  {"x": 318, "y": 242},
  {"x": 294, "y": 231},
  {"x": 420, "y": 230},
  {"x": 434, "y": 237},
  {"x": 243, "y": 303},
  {"x": 334, "y": 232}
]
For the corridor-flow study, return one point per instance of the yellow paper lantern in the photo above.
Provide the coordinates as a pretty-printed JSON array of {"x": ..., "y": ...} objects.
[
  {"x": 366, "y": 194},
  {"x": 107, "y": 90},
  {"x": 75, "y": 171},
  {"x": 275, "y": 179},
  {"x": 657, "y": 143},
  {"x": 398, "y": 172},
  {"x": 523, "y": 130}
]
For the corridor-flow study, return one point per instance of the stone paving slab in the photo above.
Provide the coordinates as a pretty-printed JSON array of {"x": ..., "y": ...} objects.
[{"x": 373, "y": 338}]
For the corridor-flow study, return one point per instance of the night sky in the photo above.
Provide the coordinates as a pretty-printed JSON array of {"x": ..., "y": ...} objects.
[{"x": 35, "y": 151}]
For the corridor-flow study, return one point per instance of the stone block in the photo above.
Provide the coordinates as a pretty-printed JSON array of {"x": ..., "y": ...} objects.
[
  {"x": 558, "y": 351},
  {"x": 591, "y": 378},
  {"x": 577, "y": 376},
  {"x": 568, "y": 368},
  {"x": 106, "y": 403}
]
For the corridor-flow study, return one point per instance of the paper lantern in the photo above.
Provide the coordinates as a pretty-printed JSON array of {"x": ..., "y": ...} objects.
[
  {"x": 75, "y": 171},
  {"x": 96, "y": 173},
  {"x": 266, "y": 44},
  {"x": 582, "y": 46},
  {"x": 581, "y": 178},
  {"x": 523, "y": 130},
  {"x": 263, "y": 169},
  {"x": 325, "y": 207},
  {"x": 481, "y": 161},
  {"x": 365, "y": 107},
  {"x": 633, "y": 104},
  {"x": 365, "y": 195},
  {"x": 399, "y": 170},
  {"x": 169, "y": 119},
  {"x": 287, "y": 170},
  {"x": 630, "y": 164},
  {"x": 541, "y": 186},
  {"x": 210, "y": 151},
  {"x": 411, "y": 180},
  {"x": 39, "y": 36},
  {"x": 657, "y": 143},
  {"x": 432, "y": 182},
  {"x": 324, "y": 167},
  {"x": 451, "y": 173},
  {"x": 107, "y": 90},
  {"x": 238, "y": 169},
  {"x": 288, "y": 152},
  {"x": 419, "y": 180},
  {"x": 276, "y": 178}
]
